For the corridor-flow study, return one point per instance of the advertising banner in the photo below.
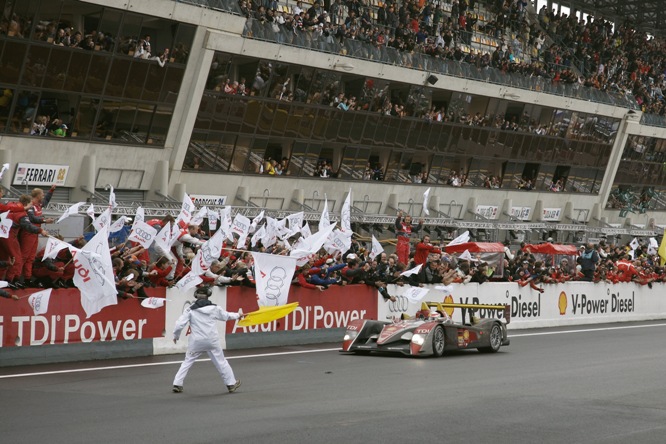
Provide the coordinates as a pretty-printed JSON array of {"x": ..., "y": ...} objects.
[
  {"x": 208, "y": 199},
  {"x": 521, "y": 213},
  {"x": 40, "y": 174},
  {"x": 573, "y": 303},
  {"x": 332, "y": 308},
  {"x": 551, "y": 214},
  {"x": 64, "y": 322},
  {"x": 488, "y": 211}
]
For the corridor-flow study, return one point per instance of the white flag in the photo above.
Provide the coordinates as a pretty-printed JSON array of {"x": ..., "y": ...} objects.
[
  {"x": 5, "y": 167},
  {"x": 258, "y": 235},
  {"x": 634, "y": 244},
  {"x": 295, "y": 222},
  {"x": 211, "y": 250},
  {"x": 74, "y": 209},
  {"x": 153, "y": 302},
  {"x": 338, "y": 241},
  {"x": 40, "y": 301},
  {"x": 377, "y": 248},
  {"x": 256, "y": 221},
  {"x": 118, "y": 224},
  {"x": 463, "y": 238},
  {"x": 5, "y": 225},
  {"x": 112, "y": 199},
  {"x": 412, "y": 271},
  {"x": 270, "y": 234},
  {"x": 199, "y": 217},
  {"x": 312, "y": 244},
  {"x": 199, "y": 265},
  {"x": 415, "y": 294},
  {"x": 140, "y": 215},
  {"x": 143, "y": 234},
  {"x": 190, "y": 280},
  {"x": 53, "y": 247},
  {"x": 103, "y": 220},
  {"x": 273, "y": 274},
  {"x": 212, "y": 219},
  {"x": 426, "y": 197},
  {"x": 94, "y": 274},
  {"x": 225, "y": 222},
  {"x": 466, "y": 256},
  {"x": 186, "y": 210},
  {"x": 345, "y": 214},
  {"x": 240, "y": 225},
  {"x": 91, "y": 211},
  {"x": 305, "y": 230},
  {"x": 653, "y": 247},
  {"x": 163, "y": 239},
  {"x": 325, "y": 220}
]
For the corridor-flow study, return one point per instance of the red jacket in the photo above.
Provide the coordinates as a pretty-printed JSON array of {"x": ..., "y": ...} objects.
[{"x": 422, "y": 252}]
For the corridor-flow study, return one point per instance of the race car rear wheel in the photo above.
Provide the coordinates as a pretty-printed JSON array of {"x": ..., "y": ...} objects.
[
  {"x": 438, "y": 341},
  {"x": 495, "y": 340}
]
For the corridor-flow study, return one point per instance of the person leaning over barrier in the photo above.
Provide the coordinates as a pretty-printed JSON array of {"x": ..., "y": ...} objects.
[{"x": 204, "y": 338}]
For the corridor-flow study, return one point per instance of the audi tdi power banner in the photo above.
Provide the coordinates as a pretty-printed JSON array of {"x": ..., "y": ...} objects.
[
  {"x": 331, "y": 308},
  {"x": 64, "y": 321}
]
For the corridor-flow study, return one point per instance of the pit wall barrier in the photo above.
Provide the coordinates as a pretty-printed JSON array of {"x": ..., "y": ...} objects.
[
  {"x": 322, "y": 316},
  {"x": 64, "y": 334},
  {"x": 571, "y": 303},
  {"x": 128, "y": 329}
]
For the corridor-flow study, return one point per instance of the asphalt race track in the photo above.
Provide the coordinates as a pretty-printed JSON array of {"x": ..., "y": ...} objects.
[{"x": 592, "y": 384}]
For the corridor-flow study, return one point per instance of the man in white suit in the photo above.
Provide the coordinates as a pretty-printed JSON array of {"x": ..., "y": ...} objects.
[{"x": 204, "y": 338}]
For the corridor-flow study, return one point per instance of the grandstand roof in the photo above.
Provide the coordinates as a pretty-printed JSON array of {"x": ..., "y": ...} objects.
[{"x": 648, "y": 15}]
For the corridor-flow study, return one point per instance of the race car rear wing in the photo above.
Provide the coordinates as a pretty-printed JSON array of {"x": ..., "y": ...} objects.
[{"x": 440, "y": 306}]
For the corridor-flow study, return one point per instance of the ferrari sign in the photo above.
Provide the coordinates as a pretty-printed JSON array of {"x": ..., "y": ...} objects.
[{"x": 40, "y": 174}]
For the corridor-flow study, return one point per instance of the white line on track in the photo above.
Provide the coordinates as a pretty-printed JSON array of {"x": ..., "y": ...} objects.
[
  {"x": 584, "y": 330},
  {"x": 152, "y": 364},
  {"x": 262, "y": 355}
]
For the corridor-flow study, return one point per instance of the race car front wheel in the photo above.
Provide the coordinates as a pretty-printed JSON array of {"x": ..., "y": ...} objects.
[
  {"x": 495, "y": 340},
  {"x": 438, "y": 341}
]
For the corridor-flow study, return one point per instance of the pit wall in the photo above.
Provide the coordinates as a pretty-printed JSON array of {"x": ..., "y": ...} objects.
[{"x": 128, "y": 329}]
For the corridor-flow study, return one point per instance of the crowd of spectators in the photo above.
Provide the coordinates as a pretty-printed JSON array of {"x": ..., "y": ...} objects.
[
  {"x": 379, "y": 101},
  {"x": 136, "y": 268},
  {"x": 64, "y": 33},
  {"x": 615, "y": 57},
  {"x": 594, "y": 53}
]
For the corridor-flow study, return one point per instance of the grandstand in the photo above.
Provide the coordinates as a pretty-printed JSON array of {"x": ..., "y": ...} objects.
[{"x": 161, "y": 97}]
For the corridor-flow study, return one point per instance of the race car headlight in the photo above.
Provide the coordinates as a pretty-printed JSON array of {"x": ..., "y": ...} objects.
[
  {"x": 418, "y": 339},
  {"x": 349, "y": 335}
]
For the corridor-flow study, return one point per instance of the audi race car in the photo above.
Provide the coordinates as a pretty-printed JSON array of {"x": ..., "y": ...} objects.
[{"x": 431, "y": 332}]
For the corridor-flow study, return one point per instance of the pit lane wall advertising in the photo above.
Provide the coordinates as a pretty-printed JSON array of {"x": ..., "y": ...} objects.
[
  {"x": 333, "y": 308},
  {"x": 65, "y": 321},
  {"x": 319, "y": 313},
  {"x": 572, "y": 303}
]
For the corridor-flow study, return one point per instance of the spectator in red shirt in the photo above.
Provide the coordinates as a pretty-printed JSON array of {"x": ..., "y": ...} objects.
[{"x": 424, "y": 249}]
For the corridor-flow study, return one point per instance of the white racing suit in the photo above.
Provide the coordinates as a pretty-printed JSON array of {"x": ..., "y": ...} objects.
[{"x": 202, "y": 317}]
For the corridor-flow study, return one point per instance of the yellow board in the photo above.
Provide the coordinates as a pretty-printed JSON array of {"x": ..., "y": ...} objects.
[{"x": 267, "y": 314}]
